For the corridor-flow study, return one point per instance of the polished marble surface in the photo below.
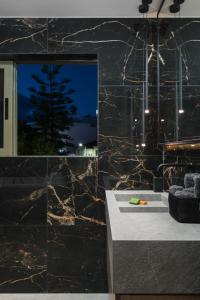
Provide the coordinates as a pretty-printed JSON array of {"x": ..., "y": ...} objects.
[
  {"x": 23, "y": 204},
  {"x": 23, "y": 190},
  {"x": 57, "y": 192},
  {"x": 17, "y": 170},
  {"x": 150, "y": 253},
  {"x": 76, "y": 259},
  {"x": 142, "y": 226},
  {"x": 72, "y": 191},
  {"x": 23, "y": 35},
  {"x": 23, "y": 263}
]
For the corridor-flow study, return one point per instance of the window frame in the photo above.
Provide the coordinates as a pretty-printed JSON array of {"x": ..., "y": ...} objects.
[
  {"x": 9, "y": 64},
  {"x": 9, "y": 109}
]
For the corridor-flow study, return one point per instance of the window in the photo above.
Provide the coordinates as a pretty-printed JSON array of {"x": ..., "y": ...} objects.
[{"x": 50, "y": 109}]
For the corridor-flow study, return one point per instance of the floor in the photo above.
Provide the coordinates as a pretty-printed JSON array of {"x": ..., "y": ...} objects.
[{"x": 57, "y": 296}]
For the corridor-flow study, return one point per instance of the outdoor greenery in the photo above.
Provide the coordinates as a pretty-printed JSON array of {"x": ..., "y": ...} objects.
[{"x": 44, "y": 131}]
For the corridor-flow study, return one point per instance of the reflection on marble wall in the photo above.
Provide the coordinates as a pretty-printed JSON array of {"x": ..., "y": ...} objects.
[
  {"x": 23, "y": 263},
  {"x": 173, "y": 175},
  {"x": 118, "y": 42},
  {"x": 117, "y": 110},
  {"x": 51, "y": 209},
  {"x": 76, "y": 259},
  {"x": 182, "y": 33},
  {"x": 72, "y": 196},
  {"x": 180, "y": 36},
  {"x": 183, "y": 125},
  {"x": 133, "y": 172},
  {"x": 23, "y": 191},
  {"x": 23, "y": 204},
  {"x": 23, "y": 35},
  {"x": 189, "y": 121},
  {"x": 65, "y": 191},
  {"x": 26, "y": 170},
  {"x": 121, "y": 129}
]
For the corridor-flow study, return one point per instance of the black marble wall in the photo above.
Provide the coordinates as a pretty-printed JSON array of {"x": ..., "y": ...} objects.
[
  {"x": 50, "y": 217},
  {"x": 52, "y": 221}
]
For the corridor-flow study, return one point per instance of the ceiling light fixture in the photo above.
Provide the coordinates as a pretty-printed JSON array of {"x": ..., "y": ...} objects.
[
  {"x": 144, "y": 7},
  {"x": 175, "y": 8}
]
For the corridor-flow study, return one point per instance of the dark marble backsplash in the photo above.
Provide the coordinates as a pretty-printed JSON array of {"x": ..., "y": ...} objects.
[
  {"x": 55, "y": 259},
  {"x": 76, "y": 259},
  {"x": 23, "y": 264},
  {"x": 39, "y": 199},
  {"x": 52, "y": 218}
]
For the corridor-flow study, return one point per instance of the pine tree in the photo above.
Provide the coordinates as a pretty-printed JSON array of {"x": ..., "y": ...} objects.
[{"x": 53, "y": 107}]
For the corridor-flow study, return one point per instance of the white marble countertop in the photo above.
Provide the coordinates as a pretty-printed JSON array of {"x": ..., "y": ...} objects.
[{"x": 146, "y": 226}]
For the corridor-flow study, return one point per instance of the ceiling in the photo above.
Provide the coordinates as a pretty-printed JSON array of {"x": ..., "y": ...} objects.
[{"x": 90, "y": 8}]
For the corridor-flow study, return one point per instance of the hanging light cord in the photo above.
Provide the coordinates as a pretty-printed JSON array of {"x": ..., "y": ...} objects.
[{"x": 161, "y": 5}]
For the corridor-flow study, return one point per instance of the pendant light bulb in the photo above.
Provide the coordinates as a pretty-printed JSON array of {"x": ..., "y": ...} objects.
[{"x": 181, "y": 111}]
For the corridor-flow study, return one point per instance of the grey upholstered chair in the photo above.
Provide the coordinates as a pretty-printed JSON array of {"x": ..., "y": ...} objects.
[{"x": 191, "y": 187}]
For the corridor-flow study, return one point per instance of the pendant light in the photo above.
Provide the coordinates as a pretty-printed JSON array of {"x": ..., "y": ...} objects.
[
  {"x": 175, "y": 8},
  {"x": 180, "y": 109}
]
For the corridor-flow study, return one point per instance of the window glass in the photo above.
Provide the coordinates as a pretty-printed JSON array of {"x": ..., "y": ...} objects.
[{"x": 57, "y": 107}]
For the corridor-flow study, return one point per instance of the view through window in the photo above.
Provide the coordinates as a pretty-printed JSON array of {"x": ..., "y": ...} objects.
[{"x": 57, "y": 109}]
